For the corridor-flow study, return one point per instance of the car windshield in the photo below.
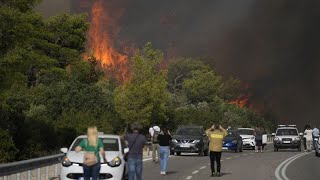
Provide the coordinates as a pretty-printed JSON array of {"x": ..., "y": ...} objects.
[
  {"x": 189, "y": 131},
  {"x": 109, "y": 144},
  {"x": 245, "y": 131},
  {"x": 284, "y": 132}
]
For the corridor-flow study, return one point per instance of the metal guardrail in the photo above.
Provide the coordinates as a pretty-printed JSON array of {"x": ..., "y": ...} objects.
[{"x": 29, "y": 166}]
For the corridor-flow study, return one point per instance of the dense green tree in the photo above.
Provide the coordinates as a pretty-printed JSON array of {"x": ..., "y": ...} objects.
[{"x": 143, "y": 98}]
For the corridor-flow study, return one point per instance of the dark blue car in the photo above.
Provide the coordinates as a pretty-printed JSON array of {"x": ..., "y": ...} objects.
[{"x": 233, "y": 141}]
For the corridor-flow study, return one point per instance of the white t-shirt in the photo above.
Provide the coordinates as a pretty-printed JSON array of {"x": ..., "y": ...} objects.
[
  {"x": 152, "y": 129},
  {"x": 308, "y": 134}
]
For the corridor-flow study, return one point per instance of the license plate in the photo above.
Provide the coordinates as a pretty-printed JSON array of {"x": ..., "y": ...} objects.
[
  {"x": 286, "y": 142},
  {"x": 184, "y": 145},
  {"x": 224, "y": 148}
]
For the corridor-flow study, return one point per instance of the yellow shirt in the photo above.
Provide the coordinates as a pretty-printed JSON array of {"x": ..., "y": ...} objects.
[{"x": 216, "y": 138}]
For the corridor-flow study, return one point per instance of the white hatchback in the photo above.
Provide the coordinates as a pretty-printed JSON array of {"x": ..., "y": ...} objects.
[{"x": 115, "y": 168}]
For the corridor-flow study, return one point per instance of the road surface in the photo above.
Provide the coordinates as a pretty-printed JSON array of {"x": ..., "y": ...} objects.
[{"x": 269, "y": 165}]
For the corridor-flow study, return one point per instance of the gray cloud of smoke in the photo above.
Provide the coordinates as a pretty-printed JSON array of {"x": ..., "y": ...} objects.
[{"x": 273, "y": 45}]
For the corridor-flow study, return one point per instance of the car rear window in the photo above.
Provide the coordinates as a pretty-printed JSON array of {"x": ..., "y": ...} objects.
[
  {"x": 289, "y": 132},
  {"x": 189, "y": 131},
  {"x": 109, "y": 144}
]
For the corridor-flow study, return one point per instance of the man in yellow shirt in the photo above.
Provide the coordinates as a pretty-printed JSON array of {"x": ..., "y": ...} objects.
[{"x": 216, "y": 134}]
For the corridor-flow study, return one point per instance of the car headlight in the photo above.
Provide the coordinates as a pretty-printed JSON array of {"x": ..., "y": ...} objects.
[
  {"x": 276, "y": 139},
  {"x": 297, "y": 138},
  {"x": 174, "y": 140},
  {"x": 252, "y": 138},
  {"x": 66, "y": 162},
  {"x": 195, "y": 141},
  {"x": 234, "y": 141},
  {"x": 115, "y": 162}
]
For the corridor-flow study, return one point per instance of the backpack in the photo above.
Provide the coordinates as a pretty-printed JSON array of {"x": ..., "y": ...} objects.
[{"x": 155, "y": 137}]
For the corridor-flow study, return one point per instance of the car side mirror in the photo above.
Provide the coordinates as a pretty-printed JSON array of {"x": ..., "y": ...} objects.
[
  {"x": 126, "y": 150},
  {"x": 273, "y": 134},
  {"x": 64, "y": 150},
  {"x": 300, "y": 134}
]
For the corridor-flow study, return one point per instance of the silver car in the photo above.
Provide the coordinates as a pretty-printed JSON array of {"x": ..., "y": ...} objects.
[
  {"x": 115, "y": 168},
  {"x": 287, "y": 137}
]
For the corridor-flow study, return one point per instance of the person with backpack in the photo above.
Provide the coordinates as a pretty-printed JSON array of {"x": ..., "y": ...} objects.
[
  {"x": 164, "y": 139},
  {"x": 135, "y": 142},
  {"x": 154, "y": 133},
  {"x": 93, "y": 146}
]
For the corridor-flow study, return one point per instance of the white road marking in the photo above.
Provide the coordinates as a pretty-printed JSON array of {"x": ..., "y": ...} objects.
[
  {"x": 203, "y": 167},
  {"x": 189, "y": 177},
  {"x": 195, "y": 172},
  {"x": 221, "y": 161},
  {"x": 229, "y": 158},
  {"x": 283, "y": 166},
  {"x": 245, "y": 154},
  {"x": 147, "y": 159},
  {"x": 236, "y": 156}
]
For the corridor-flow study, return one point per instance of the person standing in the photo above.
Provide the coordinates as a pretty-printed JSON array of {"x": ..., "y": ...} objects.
[
  {"x": 136, "y": 142},
  {"x": 164, "y": 139},
  {"x": 92, "y": 145},
  {"x": 315, "y": 134},
  {"x": 304, "y": 138},
  {"x": 258, "y": 138},
  {"x": 154, "y": 131},
  {"x": 216, "y": 134},
  {"x": 308, "y": 135}
]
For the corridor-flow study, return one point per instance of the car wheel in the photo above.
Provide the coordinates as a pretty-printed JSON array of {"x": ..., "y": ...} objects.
[
  {"x": 236, "y": 150},
  {"x": 178, "y": 153},
  {"x": 317, "y": 154},
  {"x": 171, "y": 152}
]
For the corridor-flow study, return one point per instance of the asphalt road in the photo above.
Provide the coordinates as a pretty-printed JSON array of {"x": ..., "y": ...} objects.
[{"x": 240, "y": 166}]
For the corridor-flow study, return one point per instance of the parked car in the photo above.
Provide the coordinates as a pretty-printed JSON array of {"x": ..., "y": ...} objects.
[
  {"x": 287, "y": 137},
  {"x": 247, "y": 135},
  {"x": 115, "y": 168},
  {"x": 190, "y": 139},
  {"x": 233, "y": 141}
]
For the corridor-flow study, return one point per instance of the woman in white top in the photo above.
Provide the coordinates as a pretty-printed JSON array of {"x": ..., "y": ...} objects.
[{"x": 308, "y": 136}]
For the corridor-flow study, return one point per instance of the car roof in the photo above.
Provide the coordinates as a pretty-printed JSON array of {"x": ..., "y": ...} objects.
[
  {"x": 190, "y": 126},
  {"x": 101, "y": 136},
  {"x": 287, "y": 128}
]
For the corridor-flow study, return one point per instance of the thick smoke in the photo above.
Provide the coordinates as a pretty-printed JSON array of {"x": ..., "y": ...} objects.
[{"x": 272, "y": 45}]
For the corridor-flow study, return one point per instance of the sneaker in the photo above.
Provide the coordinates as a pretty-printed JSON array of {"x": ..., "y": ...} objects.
[
  {"x": 218, "y": 174},
  {"x": 261, "y": 151},
  {"x": 213, "y": 174},
  {"x": 161, "y": 172},
  {"x": 164, "y": 173}
]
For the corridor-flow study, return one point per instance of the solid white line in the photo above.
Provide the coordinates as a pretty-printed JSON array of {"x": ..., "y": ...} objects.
[
  {"x": 189, "y": 177},
  {"x": 203, "y": 167},
  {"x": 245, "y": 154},
  {"x": 195, "y": 172},
  {"x": 236, "y": 156},
  {"x": 277, "y": 172},
  {"x": 229, "y": 158},
  {"x": 283, "y": 171}
]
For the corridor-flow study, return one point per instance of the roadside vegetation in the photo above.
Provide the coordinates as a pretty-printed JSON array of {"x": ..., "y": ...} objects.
[{"x": 49, "y": 94}]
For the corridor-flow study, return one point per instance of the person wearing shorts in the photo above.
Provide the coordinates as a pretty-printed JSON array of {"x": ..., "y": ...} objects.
[{"x": 258, "y": 138}]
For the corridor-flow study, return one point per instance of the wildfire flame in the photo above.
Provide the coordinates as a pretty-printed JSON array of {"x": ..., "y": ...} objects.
[
  {"x": 103, "y": 30},
  {"x": 241, "y": 102}
]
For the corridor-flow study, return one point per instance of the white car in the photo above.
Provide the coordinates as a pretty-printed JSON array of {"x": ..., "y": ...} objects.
[
  {"x": 247, "y": 135},
  {"x": 115, "y": 168}
]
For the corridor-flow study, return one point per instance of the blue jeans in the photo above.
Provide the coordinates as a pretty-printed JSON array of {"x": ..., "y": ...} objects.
[
  {"x": 164, "y": 155},
  {"x": 92, "y": 171},
  {"x": 134, "y": 168}
]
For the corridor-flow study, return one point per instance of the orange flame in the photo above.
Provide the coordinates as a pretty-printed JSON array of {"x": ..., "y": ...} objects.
[
  {"x": 103, "y": 30},
  {"x": 242, "y": 102}
]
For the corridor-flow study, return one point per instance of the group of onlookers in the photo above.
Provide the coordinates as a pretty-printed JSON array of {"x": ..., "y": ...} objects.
[{"x": 309, "y": 136}]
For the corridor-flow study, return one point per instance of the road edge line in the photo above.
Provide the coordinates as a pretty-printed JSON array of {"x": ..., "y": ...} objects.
[
  {"x": 276, "y": 173},
  {"x": 283, "y": 171}
]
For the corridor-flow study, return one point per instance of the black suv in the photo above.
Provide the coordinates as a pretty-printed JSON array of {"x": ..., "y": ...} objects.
[{"x": 190, "y": 139}]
